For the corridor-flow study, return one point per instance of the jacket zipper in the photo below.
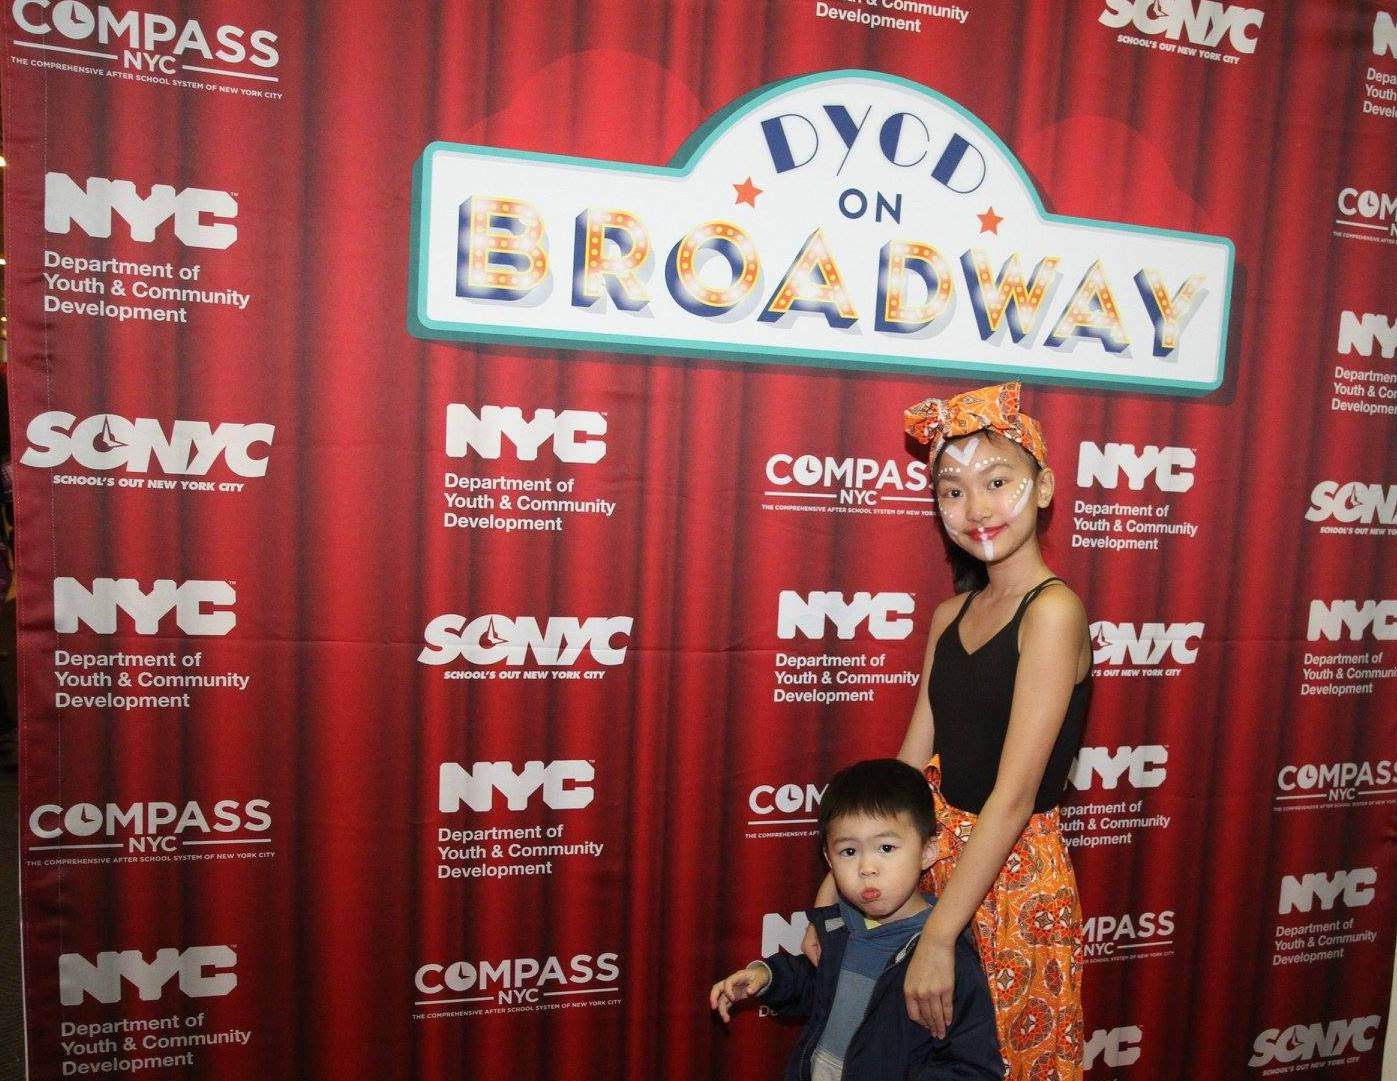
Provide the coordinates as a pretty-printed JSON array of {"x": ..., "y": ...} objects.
[{"x": 881, "y": 982}]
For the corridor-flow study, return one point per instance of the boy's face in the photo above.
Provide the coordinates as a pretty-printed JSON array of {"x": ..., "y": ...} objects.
[{"x": 877, "y": 862}]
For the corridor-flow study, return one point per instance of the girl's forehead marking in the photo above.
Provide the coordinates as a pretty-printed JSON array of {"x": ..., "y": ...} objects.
[
  {"x": 970, "y": 461},
  {"x": 965, "y": 451}
]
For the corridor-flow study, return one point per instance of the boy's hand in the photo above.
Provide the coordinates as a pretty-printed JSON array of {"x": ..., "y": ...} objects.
[
  {"x": 743, "y": 984},
  {"x": 810, "y": 944}
]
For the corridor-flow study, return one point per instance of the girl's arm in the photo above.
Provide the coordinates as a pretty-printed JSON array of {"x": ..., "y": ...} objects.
[{"x": 1052, "y": 632}]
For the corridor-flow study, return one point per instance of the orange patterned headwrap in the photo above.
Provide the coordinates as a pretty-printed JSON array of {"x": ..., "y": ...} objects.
[{"x": 996, "y": 409}]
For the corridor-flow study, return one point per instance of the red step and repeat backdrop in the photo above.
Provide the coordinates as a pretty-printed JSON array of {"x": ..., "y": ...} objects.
[{"x": 464, "y": 515}]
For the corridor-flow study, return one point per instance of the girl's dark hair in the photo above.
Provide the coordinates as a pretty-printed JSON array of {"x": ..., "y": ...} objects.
[
  {"x": 967, "y": 572},
  {"x": 883, "y": 787}
]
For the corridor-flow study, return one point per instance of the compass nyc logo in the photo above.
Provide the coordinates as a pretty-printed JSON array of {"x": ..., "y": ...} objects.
[
  {"x": 847, "y": 217},
  {"x": 148, "y": 42}
]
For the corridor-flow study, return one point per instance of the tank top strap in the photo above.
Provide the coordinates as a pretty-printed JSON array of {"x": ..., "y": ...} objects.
[
  {"x": 968, "y": 598},
  {"x": 1028, "y": 597}
]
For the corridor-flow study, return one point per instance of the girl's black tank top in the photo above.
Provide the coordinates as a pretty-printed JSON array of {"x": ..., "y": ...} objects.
[{"x": 970, "y": 698}]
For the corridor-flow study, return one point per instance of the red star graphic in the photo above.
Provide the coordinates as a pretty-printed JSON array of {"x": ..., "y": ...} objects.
[
  {"x": 989, "y": 221},
  {"x": 747, "y": 192}
]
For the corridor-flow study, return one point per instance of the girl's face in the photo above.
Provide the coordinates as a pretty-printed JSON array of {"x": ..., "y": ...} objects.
[{"x": 988, "y": 494}]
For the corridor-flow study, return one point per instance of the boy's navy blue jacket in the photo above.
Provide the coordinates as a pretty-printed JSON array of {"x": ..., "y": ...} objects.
[{"x": 889, "y": 1045}]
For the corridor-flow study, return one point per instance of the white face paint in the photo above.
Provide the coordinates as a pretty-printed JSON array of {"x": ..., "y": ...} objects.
[
  {"x": 1025, "y": 490},
  {"x": 984, "y": 507},
  {"x": 963, "y": 452}
]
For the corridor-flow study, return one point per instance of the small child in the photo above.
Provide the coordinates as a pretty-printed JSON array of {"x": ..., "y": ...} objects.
[{"x": 877, "y": 828}]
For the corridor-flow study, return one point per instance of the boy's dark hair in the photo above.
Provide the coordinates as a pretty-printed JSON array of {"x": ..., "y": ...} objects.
[{"x": 879, "y": 786}]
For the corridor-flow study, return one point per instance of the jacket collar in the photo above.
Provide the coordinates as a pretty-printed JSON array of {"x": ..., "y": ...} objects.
[{"x": 828, "y": 919}]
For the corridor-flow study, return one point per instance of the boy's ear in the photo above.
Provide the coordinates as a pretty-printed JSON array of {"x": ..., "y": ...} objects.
[
  {"x": 929, "y": 852},
  {"x": 824, "y": 851}
]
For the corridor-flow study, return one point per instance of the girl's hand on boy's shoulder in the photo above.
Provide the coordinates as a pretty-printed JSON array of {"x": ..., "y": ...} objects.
[
  {"x": 740, "y": 985},
  {"x": 929, "y": 985}
]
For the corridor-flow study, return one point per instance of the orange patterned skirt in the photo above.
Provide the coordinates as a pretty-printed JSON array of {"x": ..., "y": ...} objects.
[{"x": 1029, "y": 933}]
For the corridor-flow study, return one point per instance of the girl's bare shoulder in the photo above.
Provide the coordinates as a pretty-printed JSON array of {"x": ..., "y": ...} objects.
[
  {"x": 942, "y": 616},
  {"x": 1057, "y": 608},
  {"x": 947, "y": 609}
]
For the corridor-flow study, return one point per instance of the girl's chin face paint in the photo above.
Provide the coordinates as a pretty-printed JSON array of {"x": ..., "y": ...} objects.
[{"x": 983, "y": 494}]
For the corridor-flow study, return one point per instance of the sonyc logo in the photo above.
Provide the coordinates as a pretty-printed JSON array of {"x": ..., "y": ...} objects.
[
  {"x": 1354, "y": 888},
  {"x": 1332, "y": 619},
  {"x": 1362, "y": 333},
  {"x": 808, "y": 615},
  {"x": 107, "y": 441},
  {"x": 1353, "y": 502},
  {"x": 768, "y": 799},
  {"x": 1148, "y": 644},
  {"x": 574, "y": 433},
  {"x": 1204, "y": 22},
  {"x": 200, "y": 607},
  {"x": 492, "y": 639},
  {"x": 202, "y": 972},
  {"x": 150, "y": 42},
  {"x": 1167, "y": 466},
  {"x": 201, "y": 215},
  {"x": 1143, "y": 766},
  {"x": 50, "y": 821},
  {"x": 1115, "y": 1047},
  {"x": 1303, "y": 1043},
  {"x": 518, "y": 979},
  {"x": 783, "y": 932},
  {"x": 859, "y": 481},
  {"x": 563, "y": 785}
]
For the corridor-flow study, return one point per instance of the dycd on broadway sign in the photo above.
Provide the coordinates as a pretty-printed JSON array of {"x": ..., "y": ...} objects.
[{"x": 864, "y": 250}]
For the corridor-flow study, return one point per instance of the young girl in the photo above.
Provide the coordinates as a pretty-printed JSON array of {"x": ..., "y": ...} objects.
[{"x": 997, "y": 723}]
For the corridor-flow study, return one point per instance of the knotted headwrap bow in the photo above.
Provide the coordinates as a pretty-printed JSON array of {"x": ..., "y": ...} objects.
[{"x": 996, "y": 409}]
